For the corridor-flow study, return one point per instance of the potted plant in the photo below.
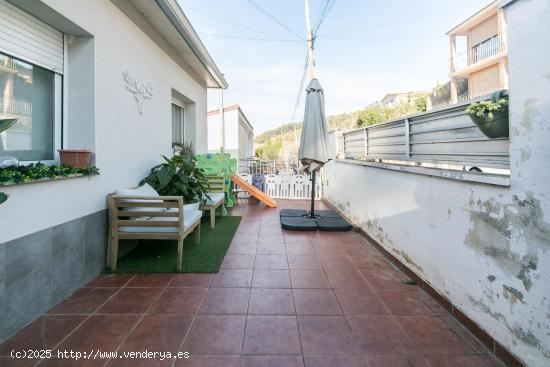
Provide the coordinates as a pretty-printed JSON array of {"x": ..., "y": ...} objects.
[
  {"x": 78, "y": 158},
  {"x": 180, "y": 176},
  {"x": 491, "y": 117}
]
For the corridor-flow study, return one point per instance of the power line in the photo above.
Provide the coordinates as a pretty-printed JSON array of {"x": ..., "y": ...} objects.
[
  {"x": 206, "y": 14},
  {"x": 247, "y": 38},
  {"x": 274, "y": 19},
  {"x": 326, "y": 8}
]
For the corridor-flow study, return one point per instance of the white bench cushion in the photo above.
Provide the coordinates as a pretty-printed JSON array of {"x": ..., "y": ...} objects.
[
  {"x": 190, "y": 217},
  {"x": 143, "y": 190},
  {"x": 215, "y": 198}
]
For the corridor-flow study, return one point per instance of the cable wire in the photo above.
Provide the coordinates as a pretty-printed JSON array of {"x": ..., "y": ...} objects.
[{"x": 275, "y": 19}]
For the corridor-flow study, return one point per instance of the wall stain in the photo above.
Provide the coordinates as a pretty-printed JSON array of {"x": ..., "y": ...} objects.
[
  {"x": 495, "y": 226},
  {"x": 525, "y": 155},
  {"x": 512, "y": 294},
  {"x": 518, "y": 332},
  {"x": 529, "y": 111},
  {"x": 408, "y": 260},
  {"x": 491, "y": 278}
]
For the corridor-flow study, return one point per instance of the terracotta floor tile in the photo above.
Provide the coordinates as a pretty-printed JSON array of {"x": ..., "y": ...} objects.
[
  {"x": 432, "y": 336},
  {"x": 271, "y": 279},
  {"x": 226, "y": 301},
  {"x": 178, "y": 301},
  {"x": 267, "y": 301},
  {"x": 463, "y": 333},
  {"x": 238, "y": 262},
  {"x": 271, "y": 335},
  {"x": 14, "y": 362},
  {"x": 245, "y": 238},
  {"x": 386, "y": 280},
  {"x": 373, "y": 263},
  {"x": 316, "y": 302},
  {"x": 99, "y": 332},
  {"x": 271, "y": 262},
  {"x": 360, "y": 302},
  {"x": 456, "y": 361},
  {"x": 43, "y": 333},
  {"x": 405, "y": 303},
  {"x": 309, "y": 279},
  {"x": 380, "y": 335},
  {"x": 271, "y": 249},
  {"x": 209, "y": 361},
  {"x": 396, "y": 361},
  {"x": 329, "y": 250},
  {"x": 336, "y": 262},
  {"x": 157, "y": 333},
  {"x": 304, "y": 262},
  {"x": 83, "y": 301},
  {"x": 191, "y": 280},
  {"x": 302, "y": 249},
  {"x": 130, "y": 301},
  {"x": 359, "y": 249},
  {"x": 326, "y": 335},
  {"x": 265, "y": 239},
  {"x": 110, "y": 280},
  {"x": 272, "y": 361},
  {"x": 272, "y": 229},
  {"x": 150, "y": 280},
  {"x": 334, "y": 361},
  {"x": 242, "y": 249},
  {"x": 220, "y": 335},
  {"x": 345, "y": 278},
  {"x": 232, "y": 278}
]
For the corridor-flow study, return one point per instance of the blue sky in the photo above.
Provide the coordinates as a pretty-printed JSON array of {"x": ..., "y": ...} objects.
[{"x": 365, "y": 49}]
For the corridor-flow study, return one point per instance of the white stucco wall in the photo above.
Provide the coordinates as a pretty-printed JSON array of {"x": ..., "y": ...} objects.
[
  {"x": 231, "y": 122},
  {"x": 127, "y": 144},
  {"x": 485, "y": 248}
]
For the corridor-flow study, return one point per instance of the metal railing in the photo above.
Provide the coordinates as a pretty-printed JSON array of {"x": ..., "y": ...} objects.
[
  {"x": 481, "y": 51},
  {"x": 442, "y": 136}
]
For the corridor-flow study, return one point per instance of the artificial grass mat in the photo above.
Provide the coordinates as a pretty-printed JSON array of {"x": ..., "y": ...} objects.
[{"x": 160, "y": 256}]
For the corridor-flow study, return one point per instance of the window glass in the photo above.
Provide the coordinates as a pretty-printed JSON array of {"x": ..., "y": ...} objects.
[
  {"x": 27, "y": 93},
  {"x": 177, "y": 124}
]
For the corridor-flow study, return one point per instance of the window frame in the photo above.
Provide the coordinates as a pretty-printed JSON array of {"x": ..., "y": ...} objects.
[
  {"x": 58, "y": 113},
  {"x": 176, "y": 102}
]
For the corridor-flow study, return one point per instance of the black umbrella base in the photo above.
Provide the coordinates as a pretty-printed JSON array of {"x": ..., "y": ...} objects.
[{"x": 323, "y": 220}]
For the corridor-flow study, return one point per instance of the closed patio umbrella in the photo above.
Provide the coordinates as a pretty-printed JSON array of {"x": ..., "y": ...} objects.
[
  {"x": 313, "y": 151},
  {"x": 313, "y": 154}
]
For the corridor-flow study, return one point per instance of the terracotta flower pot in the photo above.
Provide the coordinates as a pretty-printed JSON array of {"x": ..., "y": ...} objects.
[{"x": 75, "y": 158}]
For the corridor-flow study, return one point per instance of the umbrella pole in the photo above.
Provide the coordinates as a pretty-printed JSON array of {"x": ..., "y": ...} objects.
[{"x": 312, "y": 211}]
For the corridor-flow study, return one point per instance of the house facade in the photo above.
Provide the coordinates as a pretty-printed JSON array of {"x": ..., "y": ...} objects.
[
  {"x": 238, "y": 139},
  {"x": 125, "y": 80},
  {"x": 484, "y": 61}
]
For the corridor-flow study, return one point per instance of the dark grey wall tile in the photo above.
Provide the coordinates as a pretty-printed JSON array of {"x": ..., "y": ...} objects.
[
  {"x": 96, "y": 244},
  {"x": 28, "y": 280},
  {"x": 68, "y": 245}
]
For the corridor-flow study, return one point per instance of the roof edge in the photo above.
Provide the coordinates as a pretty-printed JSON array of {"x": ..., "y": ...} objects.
[{"x": 179, "y": 20}]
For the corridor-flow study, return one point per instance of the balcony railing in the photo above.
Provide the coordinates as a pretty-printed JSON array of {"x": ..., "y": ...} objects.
[{"x": 481, "y": 51}]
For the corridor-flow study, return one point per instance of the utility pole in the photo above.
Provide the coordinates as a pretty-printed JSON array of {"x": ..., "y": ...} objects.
[
  {"x": 222, "y": 124},
  {"x": 309, "y": 42}
]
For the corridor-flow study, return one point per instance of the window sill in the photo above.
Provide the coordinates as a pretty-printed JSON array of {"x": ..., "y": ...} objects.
[
  {"x": 484, "y": 178},
  {"x": 58, "y": 178}
]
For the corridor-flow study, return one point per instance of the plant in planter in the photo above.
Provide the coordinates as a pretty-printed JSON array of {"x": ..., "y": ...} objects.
[
  {"x": 79, "y": 158},
  {"x": 5, "y": 124},
  {"x": 491, "y": 117},
  {"x": 179, "y": 176}
]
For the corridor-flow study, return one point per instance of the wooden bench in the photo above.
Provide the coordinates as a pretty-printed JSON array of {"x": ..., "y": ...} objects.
[
  {"x": 217, "y": 197},
  {"x": 150, "y": 218}
]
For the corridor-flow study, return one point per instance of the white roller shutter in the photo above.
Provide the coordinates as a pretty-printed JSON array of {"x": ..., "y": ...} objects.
[{"x": 28, "y": 38}]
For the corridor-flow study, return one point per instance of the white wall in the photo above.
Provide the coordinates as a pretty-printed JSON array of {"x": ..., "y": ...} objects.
[
  {"x": 485, "y": 248},
  {"x": 231, "y": 122},
  {"x": 127, "y": 144}
]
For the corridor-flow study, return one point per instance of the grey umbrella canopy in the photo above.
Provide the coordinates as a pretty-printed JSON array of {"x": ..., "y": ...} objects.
[{"x": 313, "y": 151}]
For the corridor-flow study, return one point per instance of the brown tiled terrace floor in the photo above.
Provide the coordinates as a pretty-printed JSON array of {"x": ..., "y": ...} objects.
[{"x": 280, "y": 299}]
